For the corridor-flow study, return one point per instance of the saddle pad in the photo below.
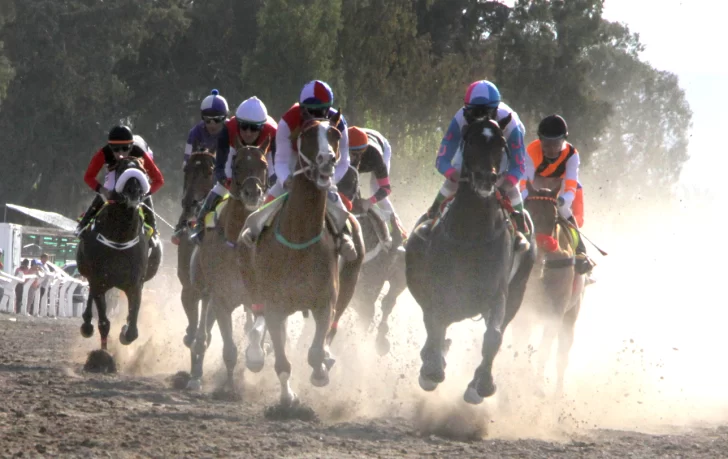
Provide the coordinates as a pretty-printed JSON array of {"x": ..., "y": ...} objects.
[{"x": 212, "y": 217}]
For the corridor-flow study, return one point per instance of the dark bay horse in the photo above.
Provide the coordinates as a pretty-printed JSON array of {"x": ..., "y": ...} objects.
[
  {"x": 557, "y": 291},
  {"x": 295, "y": 259},
  {"x": 198, "y": 181},
  {"x": 114, "y": 252},
  {"x": 466, "y": 266},
  {"x": 380, "y": 265},
  {"x": 222, "y": 269}
]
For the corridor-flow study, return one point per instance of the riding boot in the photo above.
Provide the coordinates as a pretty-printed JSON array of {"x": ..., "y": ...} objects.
[
  {"x": 381, "y": 227},
  {"x": 347, "y": 249},
  {"x": 93, "y": 209},
  {"x": 150, "y": 219},
  {"x": 434, "y": 209},
  {"x": 583, "y": 263},
  {"x": 521, "y": 243},
  {"x": 211, "y": 201}
]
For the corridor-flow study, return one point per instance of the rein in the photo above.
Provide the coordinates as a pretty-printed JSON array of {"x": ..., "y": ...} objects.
[{"x": 307, "y": 167}]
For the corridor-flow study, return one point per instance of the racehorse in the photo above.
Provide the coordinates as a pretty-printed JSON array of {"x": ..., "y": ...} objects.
[
  {"x": 380, "y": 265},
  {"x": 558, "y": 290},
  {"x": 221, "y": 269},
  {"x": 466, "y": 265},
  {"x": 295, "y": 258},
  {"x": 114, "y": 252},
  {"x": 198, "y": 180}
]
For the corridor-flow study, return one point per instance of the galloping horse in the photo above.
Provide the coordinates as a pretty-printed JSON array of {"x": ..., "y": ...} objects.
[
  {"x": 114, "y": 252},
  {"x": 198, "y": 181},
  {"x": 559, "y": 289},
  {"x": 295, "y": 259},
  {"x": 467, "y": 265},
  {"x": 221, "y": 269},
  {"x": 380, "y": 265}
]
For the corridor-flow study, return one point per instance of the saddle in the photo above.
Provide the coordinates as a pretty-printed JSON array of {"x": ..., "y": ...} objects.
[{"x": 211, "y": 218}]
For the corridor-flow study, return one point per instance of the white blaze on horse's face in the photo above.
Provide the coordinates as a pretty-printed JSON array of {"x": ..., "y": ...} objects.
[
  {"x": 325, "y": 158},
  {"x": 487, "y": 133}
]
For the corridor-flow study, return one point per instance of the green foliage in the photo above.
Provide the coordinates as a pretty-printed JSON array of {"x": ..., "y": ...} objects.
[{"x": 69, "y": 69}]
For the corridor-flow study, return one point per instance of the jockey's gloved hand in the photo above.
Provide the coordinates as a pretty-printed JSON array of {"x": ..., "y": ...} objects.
[
  {"x": 560, "y": 201},
  {"x": 105, "y": 193},
  {"x": 453, "y": 176}
]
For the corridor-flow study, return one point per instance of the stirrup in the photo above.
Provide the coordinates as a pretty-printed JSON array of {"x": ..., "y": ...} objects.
[
  {"x": 521, "y": 243},
  {"x": 248, "y": 238},
  {"x": 346, "y": 247}
]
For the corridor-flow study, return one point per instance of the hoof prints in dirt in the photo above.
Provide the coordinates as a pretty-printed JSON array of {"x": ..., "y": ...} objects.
[
  {"x": 224, "y": 394},
  {"x": 297, "y": 411},
  {"x": 100, "y": 361}
]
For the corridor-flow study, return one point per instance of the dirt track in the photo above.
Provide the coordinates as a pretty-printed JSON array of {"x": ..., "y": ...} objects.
[{"x": 51, "y": 407}]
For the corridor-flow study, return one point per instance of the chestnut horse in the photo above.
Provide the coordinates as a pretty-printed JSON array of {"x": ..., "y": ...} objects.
[
  {"x": 218, "y": 266},
  {"x": 295, "y": 259},
  {"x": 557, "y": 290}
]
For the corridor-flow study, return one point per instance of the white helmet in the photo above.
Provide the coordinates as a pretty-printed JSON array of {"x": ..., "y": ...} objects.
[{"x": 252, "y": 110}]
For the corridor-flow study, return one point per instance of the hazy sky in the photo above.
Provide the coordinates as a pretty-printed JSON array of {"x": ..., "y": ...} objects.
[{"x": 687, "y": 38}]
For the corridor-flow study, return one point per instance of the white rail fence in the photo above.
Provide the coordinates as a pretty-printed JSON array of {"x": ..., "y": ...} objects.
[{"x": 54, "y": 294}]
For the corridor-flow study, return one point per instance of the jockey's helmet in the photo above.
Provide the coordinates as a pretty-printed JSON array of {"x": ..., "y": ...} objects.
[
  {"x": 316, "y": 94},
  {"x": 252, "y": 111},
  {"x": 553, "y": 127},
  {"x": 358, "y": 139},
  {"x": 481, "y": 99},
  {"x": 120, "y": 135},
  {"x": 214, "y": 105}
]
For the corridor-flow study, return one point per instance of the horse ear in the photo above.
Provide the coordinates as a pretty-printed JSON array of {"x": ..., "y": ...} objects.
[
  {"x": 334, "y": 121},
  {"x": 555, "y": 193},
  {"x": 504, "y": 122},
  {"x": 265, "y": 145}
]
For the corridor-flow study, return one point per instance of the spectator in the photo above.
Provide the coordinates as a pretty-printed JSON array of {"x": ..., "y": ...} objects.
[{"x": 22, "y": 270}]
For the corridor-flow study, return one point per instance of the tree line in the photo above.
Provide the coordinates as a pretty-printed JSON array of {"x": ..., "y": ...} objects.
[{"x": 70, "y": 69}]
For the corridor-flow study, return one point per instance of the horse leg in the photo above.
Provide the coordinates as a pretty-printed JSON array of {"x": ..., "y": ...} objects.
[
  {"x": 129, "y": 331},
  {"x": 104, "y": 324},
  {"x": 87, "y": 328},
  {"x": 254, "y": 353},
  {"x": 432, "y": 354},
  {"x": 482, "y": 385},
  {"x": 223, "y": 312},
  {"x": 318, "y": 352},
  {"x": 397, "y": 285},
  {"x": 276, "y": 322},
  {"x": 566, "y": 340},
  {"x": 190, "y": 298},
  {"x": 200, "y": 343},
  {"x": 551, "y": 327}
]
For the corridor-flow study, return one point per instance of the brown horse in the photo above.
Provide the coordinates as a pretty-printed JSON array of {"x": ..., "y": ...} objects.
[
  {"x": 198, "y": 180},
  {"x": 296, "y": 262},
  {"x": 217, "y": 264},
  {"x": 557, "y": 290}
]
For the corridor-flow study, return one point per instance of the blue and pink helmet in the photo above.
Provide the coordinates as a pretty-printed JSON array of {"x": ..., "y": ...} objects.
[
  {"x": 214, "y": 104},
  {"x": 316, "y": 94},
  {"x": 482, "y": 93}
]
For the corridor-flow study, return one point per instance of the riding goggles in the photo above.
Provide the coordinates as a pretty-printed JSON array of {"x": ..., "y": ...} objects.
[
  {"x": 213, "y": 119},
  {"x": 246, "y": 126},
  {"x": 121, "y": 148}
]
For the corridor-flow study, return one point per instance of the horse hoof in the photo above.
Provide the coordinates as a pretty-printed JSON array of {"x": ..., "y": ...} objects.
[
  {"x": 194, "y": 384},
  {"x": 471, "y": 396},
  {"x": 320, "y": 378},
  {"x": 288, "y": 400},
  {"x": 427, "y": 385},
  {"x": 188, "y": 340},
  {"x": 126, "y": 337},
  {"x": 383, "y": 346},
  {"x": 254, "y": 357},
  {"x": 87, "y": 330}
]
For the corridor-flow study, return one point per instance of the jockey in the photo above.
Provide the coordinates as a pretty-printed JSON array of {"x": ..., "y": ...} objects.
[
  {"x": 370, "y": 151},
  {"x": 120, "y": 143},
  {"x": 315, "y": 101},
  {"x": 251, "y": 125},
  {"x": 203, "y": 136},
  {"x": 483, "y": 99},
  {"x": 551, "y": 156}
]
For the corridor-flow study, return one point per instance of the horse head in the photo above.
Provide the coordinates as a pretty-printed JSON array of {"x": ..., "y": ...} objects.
[
  {"x": 250, "y": 175},
  {"x": 542, "y": 205},
  {"x": 483, "y": 149},
  {"x": 318, "y": 150},
  {"x": 198, "y": 177},
  {"x": 132, "y": 183}
]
